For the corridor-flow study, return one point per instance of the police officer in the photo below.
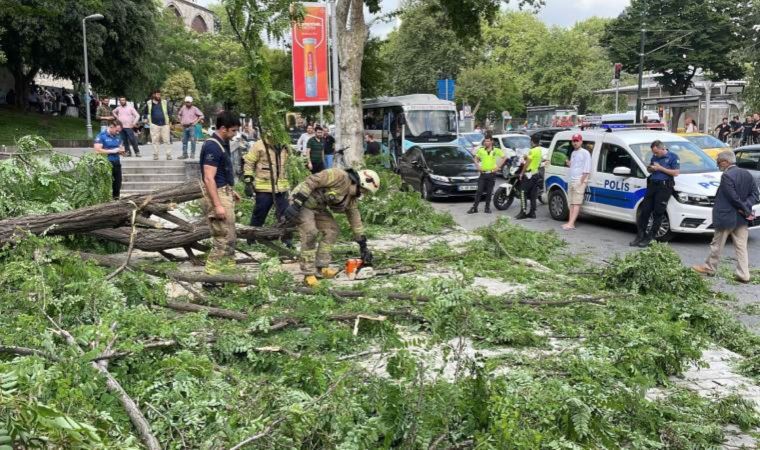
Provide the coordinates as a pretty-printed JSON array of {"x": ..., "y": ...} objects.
[
  {"x": 488, "y": 160},
  {"x": 530, "y": 180},
  {"x": 335, "y": 190},
  {"x": 663, "y": 167}
]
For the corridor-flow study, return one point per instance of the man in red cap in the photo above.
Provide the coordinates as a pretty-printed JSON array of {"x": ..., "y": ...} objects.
[{"x": 580, "y": 168}]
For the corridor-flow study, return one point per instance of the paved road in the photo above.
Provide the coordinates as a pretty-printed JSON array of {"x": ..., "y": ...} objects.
[{"x": 600, "y": 239}]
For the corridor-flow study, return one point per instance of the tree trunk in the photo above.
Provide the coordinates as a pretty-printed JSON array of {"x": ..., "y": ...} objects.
[
  {"x": 352, "y": 35},
  {"x": 96, "y": 217},
  {"x": 676, "y": 112}
]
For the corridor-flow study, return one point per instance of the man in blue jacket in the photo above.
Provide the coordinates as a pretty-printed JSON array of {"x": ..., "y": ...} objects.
[{"x": 732, "y": 215}]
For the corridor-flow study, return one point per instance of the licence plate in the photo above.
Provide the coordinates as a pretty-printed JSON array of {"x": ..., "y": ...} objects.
[{"x": 468, "y": 188}]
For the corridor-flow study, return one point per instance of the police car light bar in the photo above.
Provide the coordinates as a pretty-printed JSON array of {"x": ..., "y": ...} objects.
[{"x": 610, "y": 127}]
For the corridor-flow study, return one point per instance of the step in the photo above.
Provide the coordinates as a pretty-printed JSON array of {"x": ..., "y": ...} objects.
[
  {"x": 153, "y": 177},
  {"x": 150, "y": 162},
  {"x": 153, "y": 170},
  {"x": 147, "y": 185}
]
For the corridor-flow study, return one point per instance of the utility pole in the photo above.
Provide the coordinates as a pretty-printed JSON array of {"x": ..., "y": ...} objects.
[
  {"x": 641, "y": 74},
  {"x": 336, "y": 72},
  {"x": 86, "y": 71}
]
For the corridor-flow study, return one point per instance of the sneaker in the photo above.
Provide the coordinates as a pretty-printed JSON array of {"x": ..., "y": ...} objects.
[
  {"x": 532, "y": 215},
  {"x": 155, "y": 157},
  {"x": 128, "y": 155},
  {"x": 703, "y": 270},
  {"x": 192, "y": 156},
  {"x": 473, "y": 210},
  {"x": 168, "y": 157},
  {"x": 138, "y": 155},
  {"x": 181, "y": 157},
  {"x": 636, "y": 242},
  {"x": 521, "y": 216},
  {"x": 645, "y": 242}
]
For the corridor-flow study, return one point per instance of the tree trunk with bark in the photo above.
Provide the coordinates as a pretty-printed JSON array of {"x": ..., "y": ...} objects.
[{"x": 352, "y": 35}]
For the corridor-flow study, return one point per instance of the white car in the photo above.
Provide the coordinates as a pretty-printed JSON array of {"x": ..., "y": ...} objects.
[{"x": 618, "y": 179}]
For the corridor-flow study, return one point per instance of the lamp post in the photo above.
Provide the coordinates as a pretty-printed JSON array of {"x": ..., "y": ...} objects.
[{"x": 86, "y": 71}]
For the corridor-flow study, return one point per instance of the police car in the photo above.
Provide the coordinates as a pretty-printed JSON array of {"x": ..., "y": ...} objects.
[{"x": 618, "y": 179}]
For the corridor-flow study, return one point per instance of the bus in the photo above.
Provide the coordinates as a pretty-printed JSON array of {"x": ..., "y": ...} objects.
[{"x": 398, "y": 123}]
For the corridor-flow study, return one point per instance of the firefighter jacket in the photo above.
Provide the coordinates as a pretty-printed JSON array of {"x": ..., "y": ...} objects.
[
  {"x": 267, "y": 167},
  {"x": 335, "y": 190}
]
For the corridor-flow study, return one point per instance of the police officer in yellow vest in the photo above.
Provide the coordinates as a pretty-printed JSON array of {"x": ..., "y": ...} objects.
[
  {"x": 488, "y": 160},
  {"x": 157, "y": 116},
  {"x": 265, "y": 176},
  {"x": 314, "y": 200}
]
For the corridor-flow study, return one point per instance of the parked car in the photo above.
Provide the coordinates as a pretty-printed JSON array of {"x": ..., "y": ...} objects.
[
  {"x": 470, "y": 141},
  {"x": 512, "y": 144},
  {"x": 545, "y": 135},
  {"x": 709, "y": 144},
  {"x": 618, "y": 180},
  {"x": 748, "y": 157},
  {"x": 441, "y": 171}
]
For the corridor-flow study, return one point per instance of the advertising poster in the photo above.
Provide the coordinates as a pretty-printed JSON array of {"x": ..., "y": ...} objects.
[{"x": 311, "y": 84}]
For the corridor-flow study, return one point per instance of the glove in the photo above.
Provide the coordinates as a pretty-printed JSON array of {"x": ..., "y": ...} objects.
[
  {"x": 299, "y": 199},
  {"x": 292, "y": 212},
  {"x": 248, "y": 190},
  {"x": 366, "y": 255}
]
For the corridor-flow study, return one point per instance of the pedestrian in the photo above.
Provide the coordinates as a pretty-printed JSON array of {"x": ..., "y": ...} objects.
[
  {"x": 373, "y": 148},
  {"x": 128, "y": 116},
  {"x": 756, "y": 128},
  {"x": 690, "y": 126},
  {"x": 664, "y": 166},
  {"x": 732, "y": 214},
  {"x": 580, "y": 170},
  {"x": 723, "y": 130},
  {"x": 736, "y": 129},
  {"x": 265, "y": 173},
  {"x": 188, "y": 116},
  {"x": 488, "y": 160},
  {"x": 747, "y": 131},
  {"x": 33, "y": 100},
  {"x": 108, "y": 142},
  {"x": 329, "y": 148},
  {"x": 315, "y": 151},
  {"x": 314, "y": 200},
  {"x": 104, "y": 113},
  {"x": 157, "y": 113},
  {"x": 219, "y": 196},
  {"x": 303, "y": 140},
  {"x": 530, "y": 179}
]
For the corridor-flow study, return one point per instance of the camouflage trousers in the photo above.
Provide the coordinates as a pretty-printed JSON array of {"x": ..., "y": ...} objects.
[
  {"x": 223, "y": 233},
  {"x": 316, "y": 253}
]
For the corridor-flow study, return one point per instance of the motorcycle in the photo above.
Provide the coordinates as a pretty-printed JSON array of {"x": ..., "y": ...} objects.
[{"x": 507, "y": 192}]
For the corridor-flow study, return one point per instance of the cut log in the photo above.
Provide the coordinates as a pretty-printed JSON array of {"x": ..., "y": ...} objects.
[
  {"x": 164, "y": 239},
  {"x": 105, "y": 215}
]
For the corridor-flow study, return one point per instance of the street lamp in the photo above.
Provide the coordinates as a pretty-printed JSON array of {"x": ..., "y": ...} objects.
[{"x": 86, "y": 72}]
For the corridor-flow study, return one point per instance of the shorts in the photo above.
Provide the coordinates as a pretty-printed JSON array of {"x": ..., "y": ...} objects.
[{"x": 577, "y": 192}]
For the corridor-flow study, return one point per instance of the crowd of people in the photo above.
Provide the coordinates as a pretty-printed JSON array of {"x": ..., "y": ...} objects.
[
  {"x": 739, "y": 133},
  {"x": 46, "y": 100}
]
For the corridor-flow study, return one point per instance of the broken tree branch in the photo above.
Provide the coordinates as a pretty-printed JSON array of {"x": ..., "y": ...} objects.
[
  {"x": 24, "y": 351},
  {"x": 129, "y": 249}
]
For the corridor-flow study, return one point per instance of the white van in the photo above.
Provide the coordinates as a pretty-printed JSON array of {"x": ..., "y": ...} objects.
[{"x": 618, "y": 179}]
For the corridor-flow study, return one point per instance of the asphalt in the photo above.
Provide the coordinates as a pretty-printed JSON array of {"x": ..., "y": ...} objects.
[{"x": 600, "y": 240}]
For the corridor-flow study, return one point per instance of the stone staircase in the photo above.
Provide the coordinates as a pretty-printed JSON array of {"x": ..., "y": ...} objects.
[{"x": 142, "y": 175}]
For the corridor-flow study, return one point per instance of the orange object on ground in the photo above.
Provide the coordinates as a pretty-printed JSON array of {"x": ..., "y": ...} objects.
[{"x": 352, "y": 266}]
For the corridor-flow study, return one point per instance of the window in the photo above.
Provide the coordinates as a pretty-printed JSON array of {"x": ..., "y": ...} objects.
[
  {"x": 564, "y": 150},
  {"x": 692, "y": 158},
  {"x": 613, "y": 156},
  {"x": 451, "y": 155},
  {"x": 748, "y": 160}
]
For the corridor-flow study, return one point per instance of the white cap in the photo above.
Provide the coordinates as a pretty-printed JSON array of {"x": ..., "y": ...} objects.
[{"x": 189, "y": 99}]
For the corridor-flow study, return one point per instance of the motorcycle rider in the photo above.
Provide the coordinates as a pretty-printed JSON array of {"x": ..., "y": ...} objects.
[
  {"x": 313, "y": 201},
  {"x": 530, "y": 180}
]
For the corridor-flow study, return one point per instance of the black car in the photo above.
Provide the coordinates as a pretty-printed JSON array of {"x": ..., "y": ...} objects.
[
  {"x": 748, "y": 157},
  {"x": 441, "y": 171}
]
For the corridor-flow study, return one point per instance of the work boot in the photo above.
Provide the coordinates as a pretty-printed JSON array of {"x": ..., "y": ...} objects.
[
  {"x": 311, "y": 281},
  {"x": 326, "y": 272},
  {"x": 128, "y": 155},
  {"x": 532, "y": 215},
  {"x": 637, "y": 241},
  {"x": 521, "y": 216},
  {"x": 182, "y": 157},
  {"x": 138, "y": 155},
  {"x": 473, "y": 210},
  {"x": 487, "y": 210}
]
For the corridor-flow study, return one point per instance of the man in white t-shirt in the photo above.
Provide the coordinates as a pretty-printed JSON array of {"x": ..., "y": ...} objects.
[
  {"x": 580, "y": 169},
  {"x": 304, "y": 139}
]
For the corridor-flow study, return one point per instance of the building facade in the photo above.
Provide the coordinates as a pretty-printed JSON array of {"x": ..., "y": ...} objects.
[{"x": 193, "y": 15}]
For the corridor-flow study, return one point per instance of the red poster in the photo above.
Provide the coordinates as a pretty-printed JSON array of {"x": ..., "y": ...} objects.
[{"x": 311, "y": 84}]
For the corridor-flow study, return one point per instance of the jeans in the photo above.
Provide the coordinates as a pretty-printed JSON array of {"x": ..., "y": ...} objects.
[
  {"x": 129, "y": 138},
  {"x": 655, "y": 204},
  {"x": 264, "y": 203},
  {"x": 329, "y": 161},
  {"x": 485, "y": 186},
  {"x": 188, "y": 134},
  {"x": 116, "y": 178}
]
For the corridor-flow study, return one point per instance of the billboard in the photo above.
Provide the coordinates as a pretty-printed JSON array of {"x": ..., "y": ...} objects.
[{"x": 311, "y": 84}]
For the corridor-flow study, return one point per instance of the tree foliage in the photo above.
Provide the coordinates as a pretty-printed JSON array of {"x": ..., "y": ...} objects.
[
  {"x": 693, "y": 36},
  {"x": 178, "y": 85},
  {"x": 487, "y": 88}
]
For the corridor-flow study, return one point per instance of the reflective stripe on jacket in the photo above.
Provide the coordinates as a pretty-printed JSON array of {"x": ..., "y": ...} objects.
[{"x": 266, "y": 168}]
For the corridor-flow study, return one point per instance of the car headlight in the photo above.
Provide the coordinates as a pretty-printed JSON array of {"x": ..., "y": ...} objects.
[
  {"x": 694, "y": 199},
  {"x": 440, "y": 178}
]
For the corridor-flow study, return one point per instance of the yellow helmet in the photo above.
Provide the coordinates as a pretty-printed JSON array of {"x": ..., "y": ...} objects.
[{"x": 369, "y": 180}]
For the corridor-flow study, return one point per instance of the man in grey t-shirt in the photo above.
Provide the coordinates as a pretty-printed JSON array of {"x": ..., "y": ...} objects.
[{"x": 580, "y": 169}]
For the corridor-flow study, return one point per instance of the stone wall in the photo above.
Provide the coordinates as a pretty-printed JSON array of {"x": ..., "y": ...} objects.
[{"x": 194, "y": 16}]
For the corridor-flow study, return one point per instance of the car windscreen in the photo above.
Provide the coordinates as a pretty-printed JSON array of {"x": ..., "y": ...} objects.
[
  {"x": 706, "y": 142},
  {"x": 517, "y": 142},
  {"x": 447, "y": 155},
  {"x": 691, "y": 157}
]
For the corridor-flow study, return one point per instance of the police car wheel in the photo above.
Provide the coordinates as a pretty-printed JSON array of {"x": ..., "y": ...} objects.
[
  {"x": 427, "y": 189},
  {"x": 558, "y": 205},
  {"x": 664, "y": 234},
  {"x": 501, "y": 200}
]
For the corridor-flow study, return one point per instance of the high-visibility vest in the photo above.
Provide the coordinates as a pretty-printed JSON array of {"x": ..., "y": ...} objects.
[{"x": 163, "y": 107}]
